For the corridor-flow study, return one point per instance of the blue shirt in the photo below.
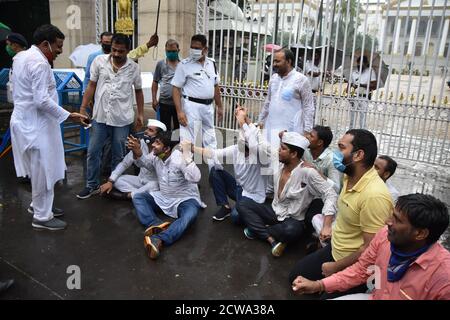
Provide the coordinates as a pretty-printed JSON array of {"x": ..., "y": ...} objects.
[{"x": 87, "y": 71}]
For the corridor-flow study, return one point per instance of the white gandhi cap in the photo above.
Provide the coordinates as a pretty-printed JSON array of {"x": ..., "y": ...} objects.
[
  {"x": 295, "y": 139},
  {"x": 156, "y": 123}
]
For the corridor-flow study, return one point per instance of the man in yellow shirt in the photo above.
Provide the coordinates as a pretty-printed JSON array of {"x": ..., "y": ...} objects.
[{"x": 363, "y": 207}]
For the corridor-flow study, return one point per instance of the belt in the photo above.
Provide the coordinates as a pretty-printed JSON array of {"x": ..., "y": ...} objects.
[{"x": 201, "y": 101}]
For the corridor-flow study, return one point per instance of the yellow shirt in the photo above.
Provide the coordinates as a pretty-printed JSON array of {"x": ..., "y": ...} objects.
[{"x": 364, "y": 208}]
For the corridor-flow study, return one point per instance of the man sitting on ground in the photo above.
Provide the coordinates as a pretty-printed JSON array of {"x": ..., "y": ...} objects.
[
  {"x": 411, "y": 263},
  {"x": 248, "y": 182},
  {"x": 178, "y": 195},
  {"x": 295, "y": 186},
  {"x": 364, "y": 205},
  {"x": 124, "y": 187},
  {"x": 386, "y": 167},
  {"x": 320, "y": 157}
]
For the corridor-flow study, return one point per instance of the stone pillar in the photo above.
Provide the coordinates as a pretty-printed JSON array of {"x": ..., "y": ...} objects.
[
  {"x": 64, "y": 15},
  {"x": 444, "y": 38},
  {"x": 176, "y": 20},
  {"x": 412, "y": 36},
  {"x": 397, "y": 37}
]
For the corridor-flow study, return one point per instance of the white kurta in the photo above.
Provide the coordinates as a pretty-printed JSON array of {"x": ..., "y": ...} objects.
[
  {"x": 289, "y": 106},
  {"x": 177, "y": 181},
  {"x": 133, "y": 184},
  {"x": 35, "y": 121}
]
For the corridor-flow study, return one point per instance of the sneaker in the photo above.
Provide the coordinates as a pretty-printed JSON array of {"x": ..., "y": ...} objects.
[
  {"x": 53, "y": 224},
  {"x": 249, "y": 234},
  {"x": 156, "y": 229},
  {"x": 278, "y": 248},
  {"x": 56, "y": 211},
  {"x": 117, "y": 195},
  {"x": 153, "y": 247},
  {"x": 88, "y": 192},
  {"x": 222, "y": 214}
]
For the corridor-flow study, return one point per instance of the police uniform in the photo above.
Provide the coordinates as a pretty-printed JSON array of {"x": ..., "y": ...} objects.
[{"x": 197, "y": 83}]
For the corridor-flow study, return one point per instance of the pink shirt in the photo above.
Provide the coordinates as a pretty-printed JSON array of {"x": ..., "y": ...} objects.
[{"x": 428, "y": 278}]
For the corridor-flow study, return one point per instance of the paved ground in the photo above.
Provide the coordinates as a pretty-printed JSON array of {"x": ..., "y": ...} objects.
[
  {"x": 213, "y": 260},
  {"x": 104, "y": 238}
]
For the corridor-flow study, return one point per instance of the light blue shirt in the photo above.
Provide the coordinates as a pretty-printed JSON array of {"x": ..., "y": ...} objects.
[{"x": 87, "y": 71}]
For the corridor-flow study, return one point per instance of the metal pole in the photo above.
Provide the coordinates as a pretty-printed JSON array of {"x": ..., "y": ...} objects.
[{"x": 277, "y": 8}]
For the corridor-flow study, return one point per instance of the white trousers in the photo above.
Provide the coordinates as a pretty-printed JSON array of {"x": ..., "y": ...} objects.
[
  {"x": 200, "y": 119},
  {"x": 41, "y": 197},
  {"x": 133, "y": 184}
]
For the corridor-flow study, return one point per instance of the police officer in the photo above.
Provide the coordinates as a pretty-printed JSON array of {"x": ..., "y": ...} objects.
[{"x": 195, "y": 88}]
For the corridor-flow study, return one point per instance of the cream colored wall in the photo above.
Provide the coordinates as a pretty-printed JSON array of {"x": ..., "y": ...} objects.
[
  {"x": 177, "y": 21},
  {"x": 75, "y": 37}
]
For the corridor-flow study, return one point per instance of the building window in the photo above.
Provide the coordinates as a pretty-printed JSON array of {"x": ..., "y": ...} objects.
[
  {"x": 446, "y": 50},
  {"x": 389, "y": 50},
  {"x": 289, "y": 19},
  {"x": 405, "y": 50},
  {"x": 418, "y": 51}
]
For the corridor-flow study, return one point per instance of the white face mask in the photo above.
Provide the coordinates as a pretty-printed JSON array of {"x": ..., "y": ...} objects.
[{"x": 195, "y": 54}]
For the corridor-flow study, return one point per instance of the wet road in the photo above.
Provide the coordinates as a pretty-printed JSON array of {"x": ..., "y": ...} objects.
[{"x": 213, "y": 260}]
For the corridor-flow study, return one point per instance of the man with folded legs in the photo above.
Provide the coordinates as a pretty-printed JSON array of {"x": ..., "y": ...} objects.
[
  {"x": 295, "y": 186},
  {"x": 124, "y": 187},
  {"x": 178, "y": 195}
]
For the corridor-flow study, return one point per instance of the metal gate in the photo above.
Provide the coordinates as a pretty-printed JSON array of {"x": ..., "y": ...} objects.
[{"x": 406, "y": 44}]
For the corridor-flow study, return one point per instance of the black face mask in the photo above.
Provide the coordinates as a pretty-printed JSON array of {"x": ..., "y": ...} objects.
[
  {"x": 148, "y": 139},
  {"x": 106, "y": 48}
]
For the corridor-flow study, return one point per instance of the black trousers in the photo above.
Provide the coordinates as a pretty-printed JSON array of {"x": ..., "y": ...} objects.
[
  {"x": 167, "y": 114},
  {"x": 310, "y": 267},
  {"x": 256, "y": 216},
  {"x": 314, "y": 208}
]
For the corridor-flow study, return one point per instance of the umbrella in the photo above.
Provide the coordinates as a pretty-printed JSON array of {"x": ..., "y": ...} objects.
[
  {"x": 377, "y": 64},
  {"x": 271, "y": 47},
  {"x": 81, "y": 53},
  {"x": 4, "y": 31},
  {"x": 328, "y": 49}
]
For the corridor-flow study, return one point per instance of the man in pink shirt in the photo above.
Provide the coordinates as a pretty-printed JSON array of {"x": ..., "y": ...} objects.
[{"x": 408, "y": 261}]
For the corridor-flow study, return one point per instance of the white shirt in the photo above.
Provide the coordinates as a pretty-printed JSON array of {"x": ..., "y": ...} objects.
[
  {"x": 303, "y": 186},
  {"x": 393, "y": 191},
  {"x": 324, "y": 164},
  {"x": 36, "y": 118},
  {"x": 114, "y": 93},
  {"x": 315, "y": 81},
  {"x": 364, "y": 78},
  {"x": 196, "y": 80},
  {"x": 247, "y": 172},
  {"x": 289, "y": 105},
  {"x": 145, "y": 175},
  {"x": 177, "y": 181}
]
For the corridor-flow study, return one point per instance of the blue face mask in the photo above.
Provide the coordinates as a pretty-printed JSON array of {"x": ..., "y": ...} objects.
[{"x": 338, "y": 157}]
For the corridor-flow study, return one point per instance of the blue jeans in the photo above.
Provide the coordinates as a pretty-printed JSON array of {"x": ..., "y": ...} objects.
[
  {"x": 99, "y": 134},
  {"x": 225, "y": 186},
  {"x": 146, "y": 209}
]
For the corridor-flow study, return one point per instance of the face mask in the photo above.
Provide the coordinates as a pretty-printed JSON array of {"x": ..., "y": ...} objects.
[
  {"x": 196, "y": 54},
  {"x": 148, "y": 139},
  {"x": 49, "y": 55},
  {"x": 10, "y": 51},
  {"x": 172, "y": 56},
  {"x": 162, "y": 155},
  {"x": 106, "y": 48},
  {"x": 338, "y": 158}
]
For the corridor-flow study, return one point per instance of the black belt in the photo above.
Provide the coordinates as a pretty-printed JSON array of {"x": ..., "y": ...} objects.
[{"x": 201, "y": 101}]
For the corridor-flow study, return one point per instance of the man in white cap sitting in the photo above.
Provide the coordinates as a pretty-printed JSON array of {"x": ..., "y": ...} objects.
[
  {"x": 124, "y": 187},
  {"x": 295, "y": 187}
]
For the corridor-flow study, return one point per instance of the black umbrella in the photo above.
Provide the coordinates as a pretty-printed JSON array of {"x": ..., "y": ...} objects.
[{"x": 4, "y": 33}]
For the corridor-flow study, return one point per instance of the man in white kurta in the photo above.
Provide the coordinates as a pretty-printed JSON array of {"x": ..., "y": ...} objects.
[
  {"x": 129, "y": 185},
  {"x": 290, "y": 102},
  {"x": 35, "y": 124}
]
